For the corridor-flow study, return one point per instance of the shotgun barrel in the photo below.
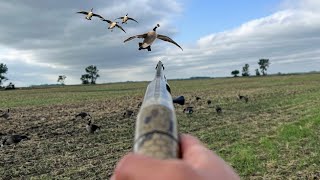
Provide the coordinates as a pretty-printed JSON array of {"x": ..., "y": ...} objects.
[{"x": 156, "y": 133}]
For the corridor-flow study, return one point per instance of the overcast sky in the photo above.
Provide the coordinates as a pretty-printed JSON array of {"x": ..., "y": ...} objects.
[{"x": 41, "y": 39}]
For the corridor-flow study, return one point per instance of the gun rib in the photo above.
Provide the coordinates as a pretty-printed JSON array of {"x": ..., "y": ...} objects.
[{"x": 156, "y": 126}]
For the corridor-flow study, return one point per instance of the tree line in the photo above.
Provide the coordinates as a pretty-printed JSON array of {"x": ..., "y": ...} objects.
[
  {"x": 90, "y": 77},
  {"x": 263, "y": 66},
  {"x": 92, "y": 73}
]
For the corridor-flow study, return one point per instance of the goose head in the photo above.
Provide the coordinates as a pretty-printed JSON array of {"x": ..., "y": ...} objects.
[
  {"x": 23, "y": 137},
  {"x": 127, "y": 14},
  {"x": 91, "y": 9},
  {"x": 154, "y": 29}
]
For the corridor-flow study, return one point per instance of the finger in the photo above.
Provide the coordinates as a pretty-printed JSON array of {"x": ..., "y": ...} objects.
[
  {"x": 201, "y": 158},
  {"x": 137, "y": 167},
  {"x": 188, "y": 141},
  {"x": 193, "y": 150}
]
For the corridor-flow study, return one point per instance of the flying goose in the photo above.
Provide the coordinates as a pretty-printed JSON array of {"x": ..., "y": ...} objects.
[
  {"x": 91, "y": 128},
  {"x": 90, "y": 14},
  {"x": 113, "y": 24},
  {"x": 126, "y": 18},
  {"x": 13, "y": 139},
  {"x": 5, "y": 115},
  {"x": 150, "y": 37}
]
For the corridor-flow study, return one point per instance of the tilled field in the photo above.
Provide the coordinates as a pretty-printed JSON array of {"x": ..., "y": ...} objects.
[{"x": 273, "y": 136}]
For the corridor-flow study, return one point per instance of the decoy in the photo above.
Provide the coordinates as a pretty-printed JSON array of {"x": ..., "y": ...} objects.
[
  {"x": 128, "y": 113},
  {"x": 188, "y": 110},
  {"x": 13, "y": 139},
  {"x": 91, "y": 128},
  {"x": 218, "y": 109},
  {"x": 5, "y": 115},
  {"x": 83, "y": 115}
]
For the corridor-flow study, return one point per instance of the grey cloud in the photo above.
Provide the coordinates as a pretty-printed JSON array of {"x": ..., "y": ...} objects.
[
  {"x": 59, "y": 37},
  {"x": 53, "y": 33}
]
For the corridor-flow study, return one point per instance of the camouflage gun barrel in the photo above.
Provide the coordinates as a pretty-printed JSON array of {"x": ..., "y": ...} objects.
[{"x": 156, "y": 126}]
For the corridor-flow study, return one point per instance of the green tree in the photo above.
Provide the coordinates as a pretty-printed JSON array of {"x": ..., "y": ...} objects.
[
  {"x": 91, "y": 75},
  {"x": 235, "y": 73},
  {"x": 264, "y": 64},
  {"x": 257, "y": 72},
  {"x": 85, "y": 79},
  {"x": 61, "y": 79},
  {"x": 3, "y": 70},
  {"x": 245, "y": 70}
]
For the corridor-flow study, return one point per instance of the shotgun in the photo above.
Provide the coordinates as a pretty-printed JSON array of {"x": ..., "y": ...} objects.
[{"x": 156, "y": 133}]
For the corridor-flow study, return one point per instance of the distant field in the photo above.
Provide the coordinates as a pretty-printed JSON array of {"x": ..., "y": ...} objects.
[{"x": 276, "y": 135}]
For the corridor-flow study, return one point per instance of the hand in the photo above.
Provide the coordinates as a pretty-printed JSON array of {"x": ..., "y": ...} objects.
[{"x": 197, "y": 163}]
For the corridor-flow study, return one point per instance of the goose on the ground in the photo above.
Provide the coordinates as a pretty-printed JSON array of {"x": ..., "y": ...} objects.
[
  {"x": 113, "y": 24},
  {"x": 91, "y": 128},
  {"x": 218, "y": 109},
  {"x": 13, "y": 139},
  {"x": 245, "y": 98},
  {"x": 128, "y": 113},
  {"x": 126, "y": 18},
  {"x": 83, "y": 115},
  {"x": 150, "y": 37},
  {"x": 6, "y": 114},
  {"x": 90, "y": 14},
  {"x": 188, "y": 110}
]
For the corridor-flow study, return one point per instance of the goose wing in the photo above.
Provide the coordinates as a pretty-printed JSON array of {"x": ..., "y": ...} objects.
[
  {"x": 132, "y": 19},
  {"x": 136, "y": 36},
  {"x": 120, "y": 17},
  {"x": 120, "y": 28},
  {"x": 107, "y": 21},
  {"x": 166, "y": 38},
  {"x": 83, "y": 12},
  {"x": 97, "y": 15}
]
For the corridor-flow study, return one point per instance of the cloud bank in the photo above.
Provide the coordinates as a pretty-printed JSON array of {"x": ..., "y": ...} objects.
[{"x": 40, "y": 40}]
